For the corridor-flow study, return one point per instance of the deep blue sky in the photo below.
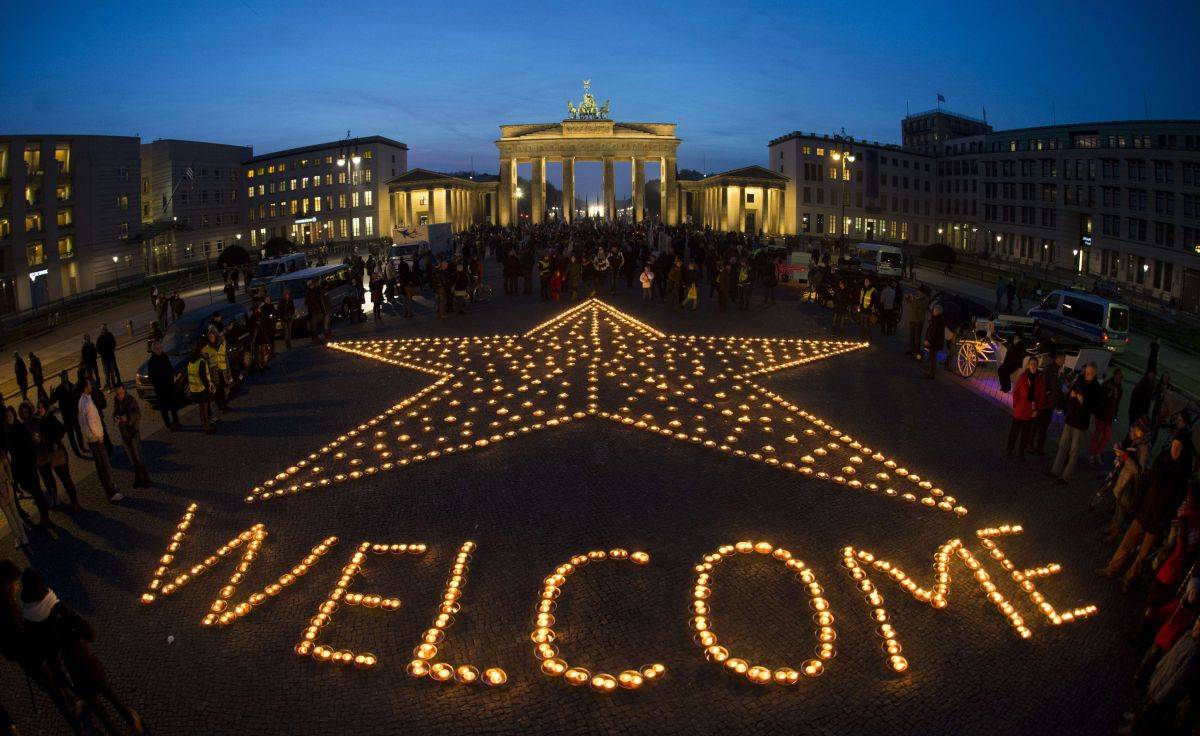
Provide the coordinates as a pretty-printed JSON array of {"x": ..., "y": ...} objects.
[{"x": 442, "y": 76}]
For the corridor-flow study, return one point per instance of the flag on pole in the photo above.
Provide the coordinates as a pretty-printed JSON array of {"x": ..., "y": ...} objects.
[{"x": 941, "y": 98}]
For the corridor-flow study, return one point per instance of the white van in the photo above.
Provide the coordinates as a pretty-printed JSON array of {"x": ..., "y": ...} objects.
[
  {"x": 269, "y": 268},
  {"x": 1081, "y": 318},
  {"x": 880, "y": 259}
]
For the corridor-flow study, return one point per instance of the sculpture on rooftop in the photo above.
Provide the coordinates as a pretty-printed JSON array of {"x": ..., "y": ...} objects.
[{"x": 587, "y": 108}]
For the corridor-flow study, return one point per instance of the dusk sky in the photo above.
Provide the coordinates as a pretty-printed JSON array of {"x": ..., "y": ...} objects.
[{"x": 442, "y": 76}]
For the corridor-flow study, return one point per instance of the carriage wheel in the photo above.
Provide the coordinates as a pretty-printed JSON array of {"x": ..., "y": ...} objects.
[{"x": 967, "y": 360}]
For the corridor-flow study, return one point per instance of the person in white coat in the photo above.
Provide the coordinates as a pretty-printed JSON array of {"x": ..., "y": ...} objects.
[{"x": 93, "y": 435}]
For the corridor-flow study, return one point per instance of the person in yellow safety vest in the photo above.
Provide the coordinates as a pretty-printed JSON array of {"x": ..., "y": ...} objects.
[
  {"x": 218, "y": 364},
  {"x": 868, "y": 305},
  {"x": 199, "y": 384}
]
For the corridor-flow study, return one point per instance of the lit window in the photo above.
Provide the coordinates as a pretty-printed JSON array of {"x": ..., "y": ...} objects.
[
  {"x": 35, "y": 254},
  {"x": 354, "y": 222},
  {"x": 316, "y": 204},
  {"x": 250, "y": 193},
  {"x": 820, "y": 151},
  {"x": 304, "y": 183},
  {"x": 66, "y": 248},
  {"x": 370, "y": 225},
  {"x": 353, "y": 199},
  {"x": 367, "y": 197},
  {"x": 293, "y": 185}
]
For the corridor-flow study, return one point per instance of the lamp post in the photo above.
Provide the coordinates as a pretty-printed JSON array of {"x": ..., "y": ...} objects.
[
  {"x": 350, "y": 160},
  {"x": 520, "y": 194},
  {"x": 117, "y": 271},
  {"x": 843, "y": 158}
]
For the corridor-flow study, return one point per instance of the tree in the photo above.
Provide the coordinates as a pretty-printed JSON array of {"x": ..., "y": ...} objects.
[
  {"x": 278, "y": 246},
  {"x": 689, "y": 175},
  {"x": 233, "y": 255}
]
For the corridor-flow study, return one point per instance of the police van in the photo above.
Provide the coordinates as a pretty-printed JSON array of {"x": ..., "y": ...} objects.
[
  {"x": 880, "y": 259},
  {"x": 1077, "y": 317}
]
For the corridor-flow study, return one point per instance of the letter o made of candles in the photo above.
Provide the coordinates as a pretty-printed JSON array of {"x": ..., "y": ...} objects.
[
  {"x": 706, "y": 637},
  {"x": 543, "y": 635}
]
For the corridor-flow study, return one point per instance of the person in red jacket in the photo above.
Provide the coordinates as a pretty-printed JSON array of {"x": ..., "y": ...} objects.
[{"x": 1029, "y": 398}]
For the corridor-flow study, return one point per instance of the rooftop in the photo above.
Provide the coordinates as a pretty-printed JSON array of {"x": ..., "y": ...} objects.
[{"x": 367, "y": 140}]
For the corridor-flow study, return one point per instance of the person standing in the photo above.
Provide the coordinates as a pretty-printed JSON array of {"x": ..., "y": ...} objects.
[
  {"x": 128, "y": 415},
  {"x": 887, "y": 309},
  {"x": 36, "y": 375},
  {"x": 1000, "y": 290},
  {"x": 511, "y": 271},
  {"x": 745, "y": 285},
  {"x": 106, "y": 346},
  {"x": 1010, "y": 292},
  {"x": 8, "y": 503},
  {"x": 1014, "y": 358},
  {"x": 616, "y": 264},
  {"x": 21, "y": 373},
  {"x": 22, "y": 453},
  {"x": 93, "y": 434},
  {"x": 918, "y": 304},
  {"x": 409, "y": 283},
  {"x": 287, "y": 313},
  {"x": 68, "y": 406},
  {"x": 88, "y": 358},
  {"x": 1029, "y": 399},
  {"x": 1083, "y": 400},
  {"x": 647, "y": 281},
  {"x": 461, "y": 284},
  {"x": 17, "y": 647},
  {"x": 57, "y": 631},
  {"x": 674, "y": 284},
  {"x": 230, "y": 291},
  {"x": 1052, "y": 378},
  {"x": 866, "y": 307},
  {"x": 1142, "y": 397},
  {"x": 1152, "y": 360},
  {"x": 1102, "y": 433},
  {"x": 841, "y": 305},
  {"x": 691, "y": 291},
  {"x": 199, "y": 384},
  {"x": 314, "y": 301},
  {"x": 50, "y": 436},
  {"x": 218, "y": 363},
  {"x": 725, "y": 286},
  {"x": 161, "y": 374},
  {"x": 544, "y": 273},
  {"x": 377, "y": 282},
  {"x": 935, "y": 338},
  {"x": 1165, "y": 493}
]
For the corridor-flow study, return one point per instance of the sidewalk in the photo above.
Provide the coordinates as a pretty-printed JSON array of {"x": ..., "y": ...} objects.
[{"x": 59, "y": 348}]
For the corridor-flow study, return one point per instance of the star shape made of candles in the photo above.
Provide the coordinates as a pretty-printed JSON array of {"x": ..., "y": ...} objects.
[{"x": 594, "y": 361}]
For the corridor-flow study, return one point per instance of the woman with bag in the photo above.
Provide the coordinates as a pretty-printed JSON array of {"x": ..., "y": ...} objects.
[
  {"x": 55, "y": 629},
  {"x": 8, "y": 502}
]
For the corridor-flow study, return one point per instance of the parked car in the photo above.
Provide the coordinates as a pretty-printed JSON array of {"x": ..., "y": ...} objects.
[
  {"x": 879, "y": 259},
  {"x": 1083, "y": 319},
  {"x": 192, "y": 327},
  {"x": 270, "y": 268},
  {"x": 335, "y": 280}
]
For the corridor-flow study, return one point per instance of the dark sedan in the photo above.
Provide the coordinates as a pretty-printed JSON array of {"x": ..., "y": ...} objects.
[{"x": 187, "y": 331}]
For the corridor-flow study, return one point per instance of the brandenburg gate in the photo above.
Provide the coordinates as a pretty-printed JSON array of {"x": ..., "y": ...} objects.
[{"x": 587, "y": 135}]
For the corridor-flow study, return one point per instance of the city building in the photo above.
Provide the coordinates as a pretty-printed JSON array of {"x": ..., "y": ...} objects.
[
  {"x": 1111, "y": 200},
  {"x": 876, "y": 191},
  {"x": 749, "y": 199},
  {"x": 323, "y": 193},
  {"x": 191, "y": 202},
  {"x": 69, "y": 207},
  {"x": 927, "y": 132},
  {"x": 421, "y": 197}
]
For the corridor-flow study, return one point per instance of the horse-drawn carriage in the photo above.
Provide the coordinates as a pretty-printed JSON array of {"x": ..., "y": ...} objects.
[{"x": 987, "y": 341}]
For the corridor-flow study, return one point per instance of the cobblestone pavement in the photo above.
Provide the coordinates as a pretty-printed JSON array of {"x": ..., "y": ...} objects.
[{"x": 533, "y": 503}]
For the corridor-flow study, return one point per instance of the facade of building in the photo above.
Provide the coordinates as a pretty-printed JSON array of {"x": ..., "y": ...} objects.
[
  {"x": 307, "y": 196},
  {"x": 421, "y": 197},
  {"x": 749, "y": 199},
  {"x": 191, "y": 202},
  {"x": 928, "y": 132},
  {"x": 875, "y": 191},
  {"x": 1114, "y": 200},
  {"x": 69, "y": 207}
]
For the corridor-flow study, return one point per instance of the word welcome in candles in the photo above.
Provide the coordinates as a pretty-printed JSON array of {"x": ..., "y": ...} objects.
[{"x": 168, "y": 579}]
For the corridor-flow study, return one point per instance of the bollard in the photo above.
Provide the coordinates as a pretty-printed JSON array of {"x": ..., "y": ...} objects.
[{"x": 129, "y": 327}]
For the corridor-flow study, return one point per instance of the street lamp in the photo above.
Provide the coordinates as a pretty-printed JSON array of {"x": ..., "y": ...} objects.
[
  {"x": 350, "y": 159},
  {"x": 117, "y": 272},
  {"x": 843, "y": 159}
]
